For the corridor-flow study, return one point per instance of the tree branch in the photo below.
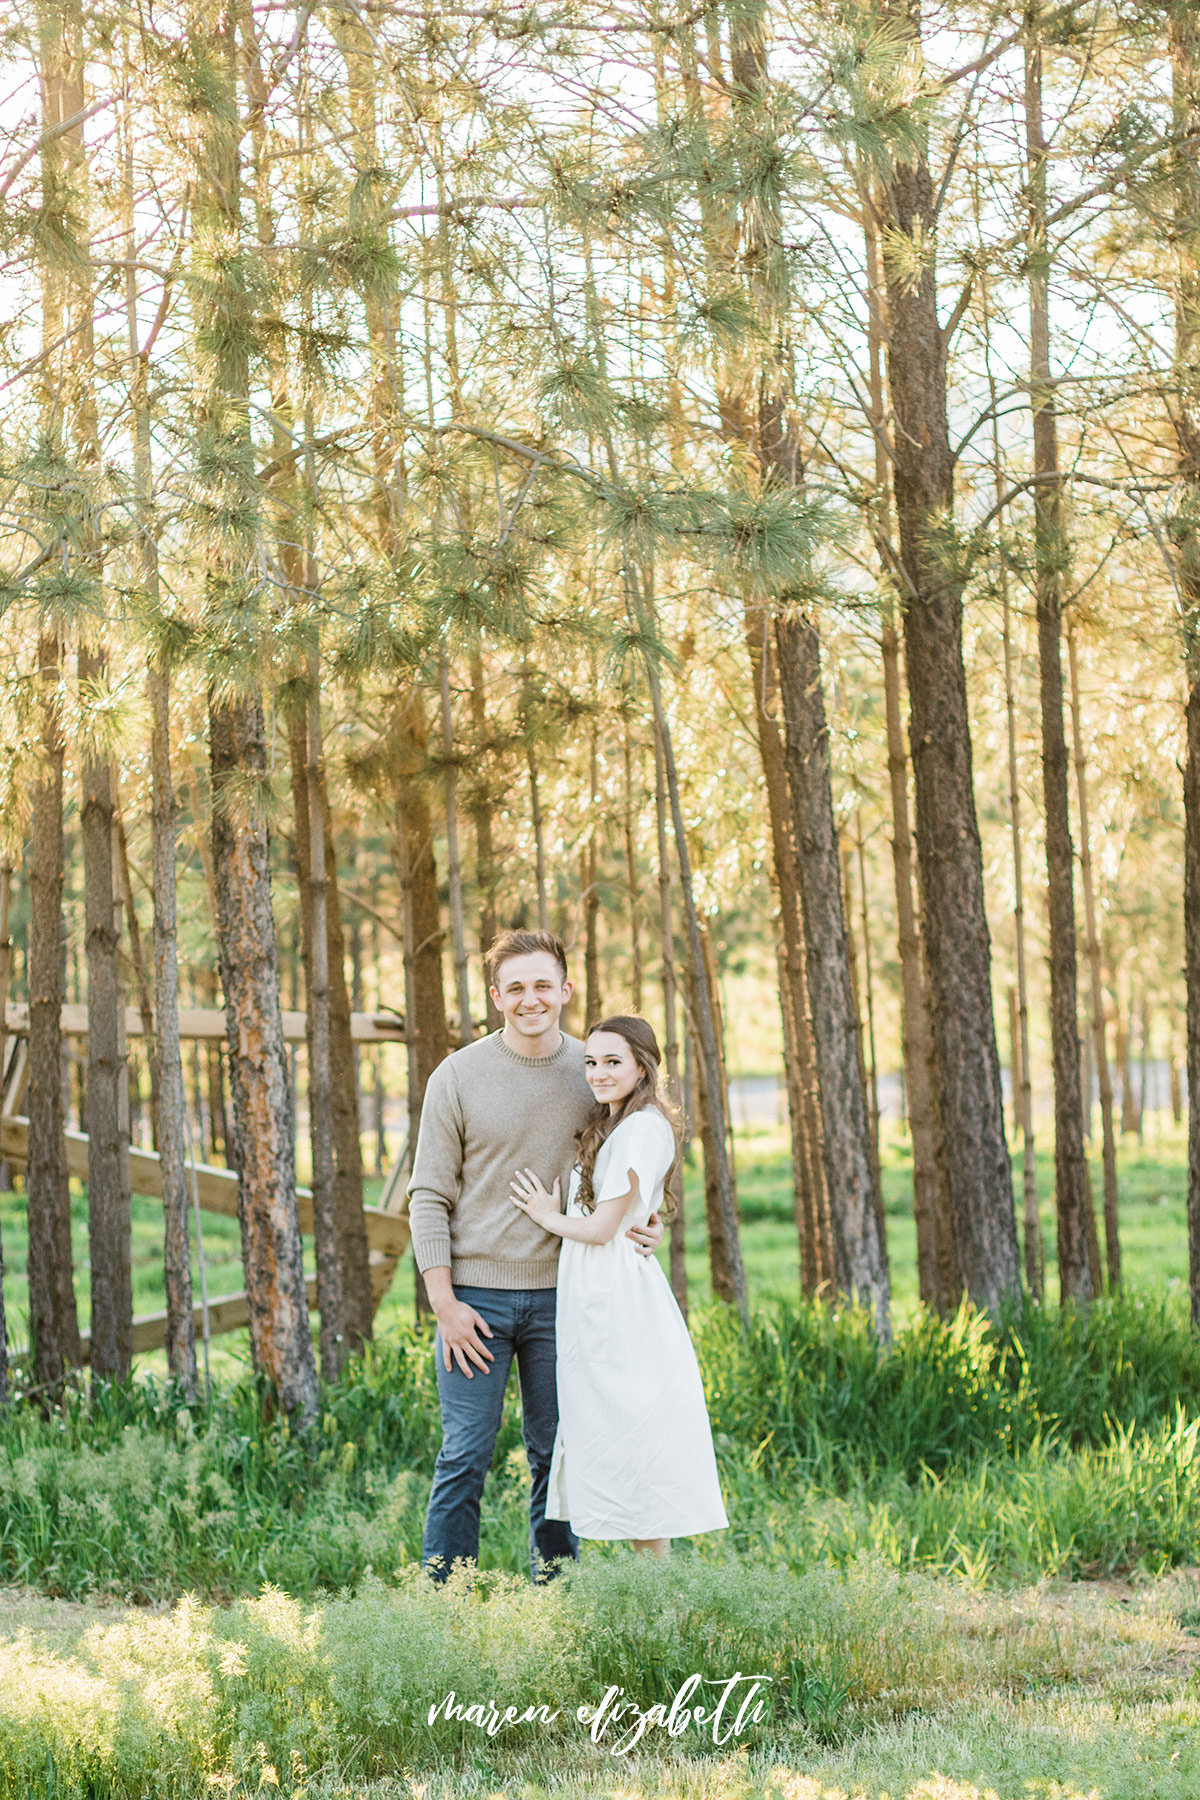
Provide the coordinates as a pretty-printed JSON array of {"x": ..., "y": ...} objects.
[{"x": 48, "y": 137}]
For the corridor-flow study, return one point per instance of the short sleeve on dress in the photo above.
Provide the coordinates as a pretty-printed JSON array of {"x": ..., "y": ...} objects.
[{"x": 645, "y": 1142}]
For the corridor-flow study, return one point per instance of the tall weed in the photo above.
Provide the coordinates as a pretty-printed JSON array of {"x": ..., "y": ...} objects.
[
  {"x": 270, "y": 1692},
  {"x": 808, "y": 1387},
  {"x": 274, "y": 1694},
  {"x": 996, "y": 1449}
]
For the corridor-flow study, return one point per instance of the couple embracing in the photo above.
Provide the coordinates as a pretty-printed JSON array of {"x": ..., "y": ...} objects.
[{"x": 613, "y": 1412}]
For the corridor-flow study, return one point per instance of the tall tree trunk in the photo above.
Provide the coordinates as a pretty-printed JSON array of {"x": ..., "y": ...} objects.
[
  {"x": 197, "y": 1099},
  {"x": 939, "y": 1281},
  {"x": 1035, "y": 1254},
  {"x": 340, "y": 1122},
  {"x": 719, "y": 1266},
  {"x": 379, "y": 1123},
  {"x": 641, "y": 606},
  {"x": 803, "y": 1095},
  {"x": 141, "y": 973},
  {"x": 272, "y": 1252},
  {"x": 170, "y": 1098},
  {"x": 713, "y": 983},
  {"x": 426, "y": 1033},
  {"x": 1185, "y": 74},
  {"x": 358, "y": 1298},
  {"x": 539, "y": 837},
  {"x": 530, "y": 718},
  {"x": 108, "y": 1189},
  {"x": 1072, "y": 1187},
  {"x": 872, "y": 1065},
  {"x": 458, "y": 933},
  {"x": 1112, "y": 1236},
  {"x": 803, "y": 1209},
  {"x": 106, "y": 1117},
  {"x": 330, "y": 1287},
  {"x": 330, "y": 1061},
  {"x": 280, "y": 1343},
  {"x": 53, "y": 1321},
  {"x": 1124, "y": 1036},
  {"x": 846, "y": 858},
  {"x": 206, "y": 982},
  {"x": 589, "y": 882},
  {"x": 974, "y": 1148},
  {"x": 1014, "y": 1052},
  {"x": 937, "y": 1261},
  {"x": 6, "y": 949},
  {"x": 487, "y": 868},
  {"x": 1191, "y": 909},
  {"x": 766, "y": 422},
  {"x": 222, "y": 1139},
  {"x": 859, "y": 1251},
  {"x": 147, "y": 562},
  {"x": 670, "y": 993},
  {"x": 633, "y": 887}
]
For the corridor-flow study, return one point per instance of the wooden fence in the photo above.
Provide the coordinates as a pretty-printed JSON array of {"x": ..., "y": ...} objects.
[{"x": 210, "y": 1188}]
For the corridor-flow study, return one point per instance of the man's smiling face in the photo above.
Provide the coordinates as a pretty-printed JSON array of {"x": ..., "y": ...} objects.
[{"x": 531, "y": 992}]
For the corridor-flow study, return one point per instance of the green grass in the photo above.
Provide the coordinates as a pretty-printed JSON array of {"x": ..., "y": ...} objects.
[
  {"x": 1153, "y": 1212},
  {"x": 1052, "y": 1446},
  {"x": 888, "y": 1515},
  {"x": 1051, "y": 1449},
  {"x": 1153, "y": 1179},
  {"x": 873, "y": 1683}
]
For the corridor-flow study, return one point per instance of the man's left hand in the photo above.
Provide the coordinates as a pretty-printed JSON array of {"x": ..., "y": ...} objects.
[{"x": 646, "y": 1238}]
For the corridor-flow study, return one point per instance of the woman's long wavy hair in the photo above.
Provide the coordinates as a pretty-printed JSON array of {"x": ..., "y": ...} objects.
[{"x": 601, "y": 1125}]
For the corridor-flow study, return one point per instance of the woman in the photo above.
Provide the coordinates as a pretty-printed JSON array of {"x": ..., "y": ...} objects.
[{"x": 633, "y": 1457}]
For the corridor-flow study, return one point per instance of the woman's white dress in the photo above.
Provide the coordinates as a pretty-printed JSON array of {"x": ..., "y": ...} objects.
[{"x": 633, "y": 1457}]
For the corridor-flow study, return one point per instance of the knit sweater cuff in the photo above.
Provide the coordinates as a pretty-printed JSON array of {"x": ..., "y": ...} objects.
[{"x": 432, "y": 1252}]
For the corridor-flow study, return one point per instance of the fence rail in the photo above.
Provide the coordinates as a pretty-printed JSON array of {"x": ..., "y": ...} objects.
[{"x": 216, "y": 1191}]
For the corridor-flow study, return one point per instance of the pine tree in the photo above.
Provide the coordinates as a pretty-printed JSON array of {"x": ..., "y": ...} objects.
[
  {"x": 267, "y": 1208},
  {"x": 860, "y": 1252},
  {"x": 1073, "y": 1191},
  {"x": 1185, "y": 68},
  {"x": 965, "y": 1058}
]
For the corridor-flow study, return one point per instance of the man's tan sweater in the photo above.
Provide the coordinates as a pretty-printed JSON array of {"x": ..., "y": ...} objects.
[{"x": 487, "y": 1113}]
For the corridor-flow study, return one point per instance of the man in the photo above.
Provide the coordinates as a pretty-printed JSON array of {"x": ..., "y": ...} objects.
[{"x": 513, "y": 1100}]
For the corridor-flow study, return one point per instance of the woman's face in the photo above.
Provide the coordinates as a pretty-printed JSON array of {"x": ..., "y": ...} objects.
[{"x": 610, "y": 1066}]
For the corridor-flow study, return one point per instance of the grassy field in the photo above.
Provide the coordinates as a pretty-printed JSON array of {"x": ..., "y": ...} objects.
[
  {"x": 198, "y": 1603},
  {"x": 876, "y": 1686},
  {"x": 1153, "y": 1181},
  {"x": 1153, "y": 1199},
  {"x": 1153, "y": 1233}
]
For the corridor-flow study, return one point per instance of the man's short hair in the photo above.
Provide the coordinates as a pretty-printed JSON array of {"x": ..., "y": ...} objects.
[{"x": 523, "y": 943}]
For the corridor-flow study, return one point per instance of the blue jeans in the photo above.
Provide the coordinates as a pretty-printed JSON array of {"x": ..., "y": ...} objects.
[{"x": 522, "y": 1322}]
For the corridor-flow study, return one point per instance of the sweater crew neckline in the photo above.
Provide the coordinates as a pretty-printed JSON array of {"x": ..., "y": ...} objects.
[{"x": 533, "y": 1062}]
